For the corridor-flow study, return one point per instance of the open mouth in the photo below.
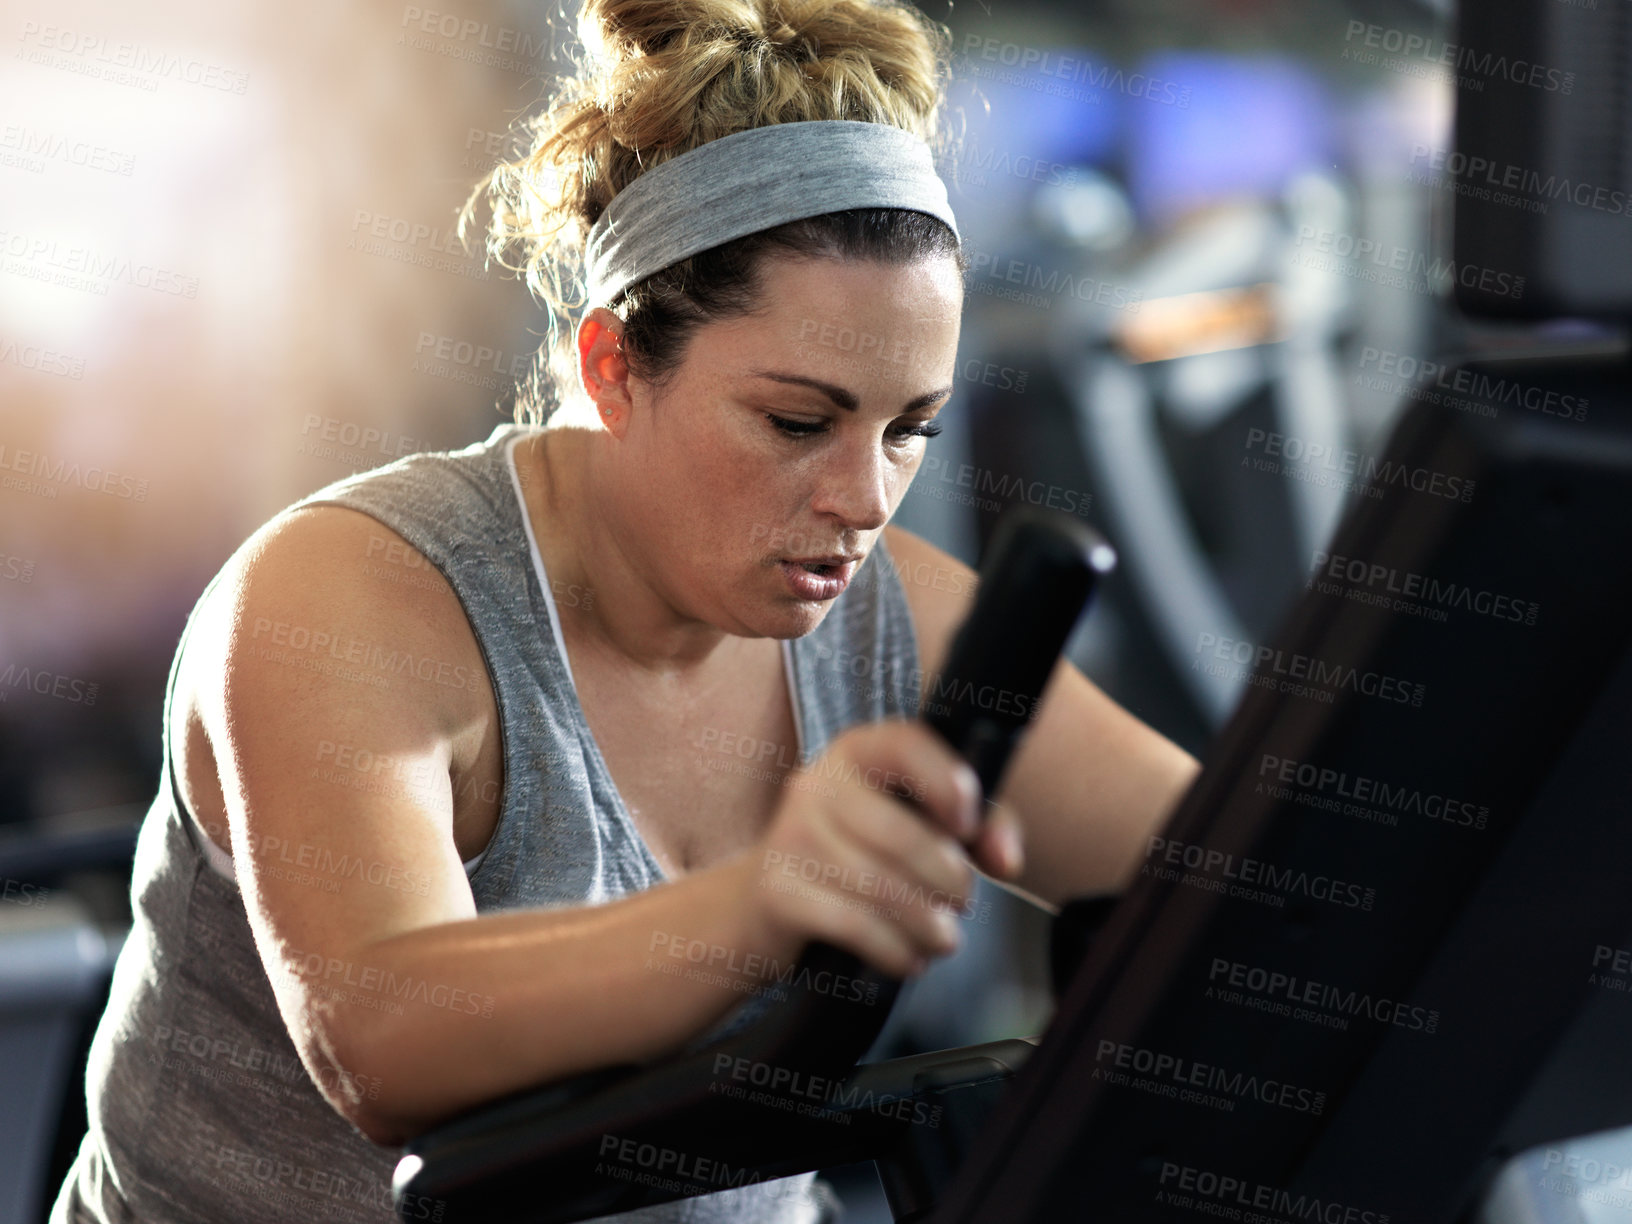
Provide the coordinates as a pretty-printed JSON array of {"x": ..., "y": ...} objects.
[{"x": 820, "y": 580}]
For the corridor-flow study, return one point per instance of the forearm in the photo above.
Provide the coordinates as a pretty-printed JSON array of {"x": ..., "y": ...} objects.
[
  {"x": 534, "y": 996},
  {"x": 1096, "y": 845},
  {"x": 1144, "y": 812}
]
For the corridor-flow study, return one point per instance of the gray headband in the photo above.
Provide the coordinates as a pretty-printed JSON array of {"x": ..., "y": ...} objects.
[{"x": 751, "y": 181}]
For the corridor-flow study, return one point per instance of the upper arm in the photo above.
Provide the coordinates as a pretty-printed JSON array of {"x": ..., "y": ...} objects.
[
  {"x": 333, "y": 699},
  {"x": 940, "y": 591},
  {"x": 1089, "y": 781}
]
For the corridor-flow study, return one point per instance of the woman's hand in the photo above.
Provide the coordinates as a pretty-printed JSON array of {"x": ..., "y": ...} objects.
[{"x": 870, "y": 848}]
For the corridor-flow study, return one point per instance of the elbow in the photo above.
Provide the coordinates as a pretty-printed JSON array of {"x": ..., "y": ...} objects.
[
  {"x": 359, "y": 1078},
  {"x": 386, "y": 1132},
  {"x": 364, "y": 1105}
]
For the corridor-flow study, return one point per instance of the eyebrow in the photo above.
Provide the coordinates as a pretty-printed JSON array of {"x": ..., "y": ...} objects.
[{"x": 846, "y": 399}]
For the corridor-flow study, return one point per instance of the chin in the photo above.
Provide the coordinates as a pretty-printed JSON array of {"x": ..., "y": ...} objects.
[{"x": 791, "y": 619}]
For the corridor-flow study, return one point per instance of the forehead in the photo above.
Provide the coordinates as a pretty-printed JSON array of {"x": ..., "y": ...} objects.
[
  {"x": 929, "y": 287},
  {"x": 872, "y": 320}
]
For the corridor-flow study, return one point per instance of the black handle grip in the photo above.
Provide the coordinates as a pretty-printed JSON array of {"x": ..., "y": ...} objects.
[{"x": 1040, "y": 573}]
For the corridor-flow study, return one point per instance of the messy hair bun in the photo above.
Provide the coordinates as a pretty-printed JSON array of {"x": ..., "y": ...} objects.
[{"x": 658, "y": 78}]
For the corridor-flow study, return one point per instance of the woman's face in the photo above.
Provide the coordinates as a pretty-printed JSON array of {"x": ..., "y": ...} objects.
[{"x": 785, "y": 436}]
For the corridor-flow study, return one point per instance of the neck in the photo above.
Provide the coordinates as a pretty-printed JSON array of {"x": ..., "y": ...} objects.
[{"x": 604, "y": 592}]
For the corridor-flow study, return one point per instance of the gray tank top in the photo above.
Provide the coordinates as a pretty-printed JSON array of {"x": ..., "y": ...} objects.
[{"x": 200, "y": 1111}]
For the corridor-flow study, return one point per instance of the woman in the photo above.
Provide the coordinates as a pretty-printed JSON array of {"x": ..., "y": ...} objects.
[{"x": 454, "y": 748}]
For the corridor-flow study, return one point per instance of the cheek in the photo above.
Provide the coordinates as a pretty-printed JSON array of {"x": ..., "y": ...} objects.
[{"x": 722, "y": 497}]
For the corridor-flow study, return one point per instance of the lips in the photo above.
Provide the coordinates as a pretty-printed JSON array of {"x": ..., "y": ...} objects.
[
  {"x": 819, "y": 578},
  {"x": 828, "y": 562}
]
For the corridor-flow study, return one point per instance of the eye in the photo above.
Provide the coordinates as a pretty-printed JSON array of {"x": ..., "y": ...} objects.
[
  {"x": 806, "y": 429},
  {"x": 795, "y": 429},
  {"x": 925, "y": 429}
]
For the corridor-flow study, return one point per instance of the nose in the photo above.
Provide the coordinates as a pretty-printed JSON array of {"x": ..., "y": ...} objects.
[{"x": 856, "y": 484}]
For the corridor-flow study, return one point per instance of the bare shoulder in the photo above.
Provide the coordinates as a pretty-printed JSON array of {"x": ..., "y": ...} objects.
[
  {"x": 335, "y": 594},
  {"x": 326, "y": 608}
]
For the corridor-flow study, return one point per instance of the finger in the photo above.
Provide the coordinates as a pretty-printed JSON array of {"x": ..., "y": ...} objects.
[
  {"x": 899, "y": 839},
  {"x": 882, "y": 945},
  {"x": 940, "y": 783},
  {"x": 999, "y": 851},
  {"x": 844, "y": 882}
]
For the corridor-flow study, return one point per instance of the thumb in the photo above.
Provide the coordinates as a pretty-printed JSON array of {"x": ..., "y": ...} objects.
[{"x": 999, "y": 849}]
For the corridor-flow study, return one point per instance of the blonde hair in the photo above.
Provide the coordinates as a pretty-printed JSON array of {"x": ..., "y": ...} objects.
[{"x": 661, "y": 77}]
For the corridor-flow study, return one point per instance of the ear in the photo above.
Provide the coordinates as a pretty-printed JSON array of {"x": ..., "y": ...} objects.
[{"x": 602, "y": 370}]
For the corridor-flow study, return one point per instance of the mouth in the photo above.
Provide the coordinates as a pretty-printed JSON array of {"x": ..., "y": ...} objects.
[
  {"x": 828, "y": 566},
  {"x": 823, "y": 565},
  {"x": 819, "y": 578}
]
